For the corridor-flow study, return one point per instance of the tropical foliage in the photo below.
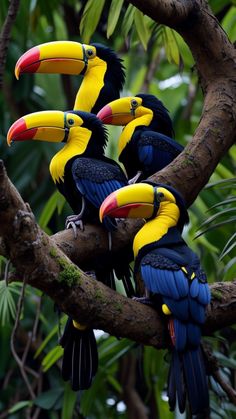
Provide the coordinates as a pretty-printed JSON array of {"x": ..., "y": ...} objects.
[{"x": 157, "y": 61}]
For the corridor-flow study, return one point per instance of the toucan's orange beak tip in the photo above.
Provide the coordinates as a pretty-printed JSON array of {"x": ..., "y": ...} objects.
[{"x": 17, "y": 72}]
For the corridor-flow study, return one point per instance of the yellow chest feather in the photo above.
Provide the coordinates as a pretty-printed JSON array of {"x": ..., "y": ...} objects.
[
  {"x": 90, "y": 88},
  {"x": 76, "y": 145},
  {"x": 155, "y": 229},
  {"x": 128, "y": 130}
]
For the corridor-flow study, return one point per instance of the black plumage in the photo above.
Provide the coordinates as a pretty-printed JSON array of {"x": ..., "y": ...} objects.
[
  {"x": 151, "y": 148},
  {"x": 114, "y": 77}
]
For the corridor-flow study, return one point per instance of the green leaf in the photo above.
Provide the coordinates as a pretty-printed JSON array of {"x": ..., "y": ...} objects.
[
  {"x": 49, "y": 399},
  {"x": 112, "y": 349},
  {"x": 225, "y": 361},
  {"x": 231, "y": 266},
  {"x": 218, "y": 5},
  {"x": 115, "y": 383},
  {"x": 229, "y": 246},
  {"x": 7, "y": 302},
  {"x": 69, "y": 401},
  {"x": 217, "y": 215},
  {"x": 52, "y": 357},
  {"x": 225, "y": 202},
  {"x": 20, "y": 405},
  {"x": 52, "y": 333},
  {"x": 224, "y": 182},
  {"x": 226, "y": 252},
  {"x": 113, "y": 16},
  {"x": 171, "y": 46},
  {"x": 142, "y": 27},
  {"x": 128, "y": 20},
  {"x": 229, "y": 221},
  {"x": 55, "y": 201},
  {"x": 90, "y": 18},
  {"x": 229, "y": 23}
]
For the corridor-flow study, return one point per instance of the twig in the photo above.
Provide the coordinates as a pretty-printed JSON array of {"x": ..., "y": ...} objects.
[
  {"x": 135, "y": 406},
  {"x": 39, "y": 389},
  {"x": 5, "y": 35},
  {"x": 32, "y": 335},
  {"x": 151, "y": 69},
  {"x": 231, "y": 393},
  {"x": 15, "y": 327},
  {"x": 6, "y": 271}
]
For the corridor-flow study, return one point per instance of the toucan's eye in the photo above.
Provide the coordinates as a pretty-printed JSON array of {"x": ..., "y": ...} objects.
[
  {"x": 160, "y": 196},
  {"x": 89, "y": 53},
  {"x": 134, "y": 103},
  {"x": 70, "y": 121}
]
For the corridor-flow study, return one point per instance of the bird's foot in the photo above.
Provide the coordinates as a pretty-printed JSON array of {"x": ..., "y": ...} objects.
[
  {"x": 135, "y": 178},
  {"x": 74, "y": 222},
  {"x": 91, "y": 274},
  {"x": 144, "y": 300}
]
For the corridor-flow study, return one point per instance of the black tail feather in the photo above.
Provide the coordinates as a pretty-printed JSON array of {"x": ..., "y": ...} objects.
[
  {"x": 187, "y": 375},
  {"x": 80, "y": 358},
  {"x": 196, "y": 380},
  {"x": 176, "y": 384}
]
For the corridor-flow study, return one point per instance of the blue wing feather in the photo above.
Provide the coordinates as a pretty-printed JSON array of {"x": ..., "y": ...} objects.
[
  {"x": 197, "y": 311},
  {"x": 204, "y": 296},
  {"x": 181, "y": 283},
  {"x": 96, "y": 179},
  {"x": 96, "y": 192},
  {"x": 156, "y": 150},
  {"x": 194, "y": 288}
]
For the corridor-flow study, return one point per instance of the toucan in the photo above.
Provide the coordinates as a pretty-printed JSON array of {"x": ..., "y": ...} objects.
[
  {"x": 145, "y": 145},
  {"x": 174, "y": 279},
  {"x": 85, "y": 177},
  {"x": 102, "y": 70}
]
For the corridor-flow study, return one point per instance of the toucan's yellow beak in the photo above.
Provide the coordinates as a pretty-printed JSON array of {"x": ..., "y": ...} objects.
[
  {"x": 132, "y": 201},
  {"x": 43, "y": 126},
  {"x": 117, "y": 112},
  {"x": 60, "y": 57}
]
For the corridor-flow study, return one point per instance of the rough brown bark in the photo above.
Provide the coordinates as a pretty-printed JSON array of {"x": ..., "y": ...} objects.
[{"x": 38, "y": 260}]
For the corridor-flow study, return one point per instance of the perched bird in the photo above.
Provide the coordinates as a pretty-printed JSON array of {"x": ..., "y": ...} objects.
[
  {"x": 85, "y": 177},
  {"x": 101, "y": 68},
  {"x": 145, "y": 145},
  {"x": 172, "y": 274}
]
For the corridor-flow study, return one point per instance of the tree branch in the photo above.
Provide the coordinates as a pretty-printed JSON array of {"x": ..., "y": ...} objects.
[
  {"x": 40, "y": 262},
  {"x": 168, "y": 12}
]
